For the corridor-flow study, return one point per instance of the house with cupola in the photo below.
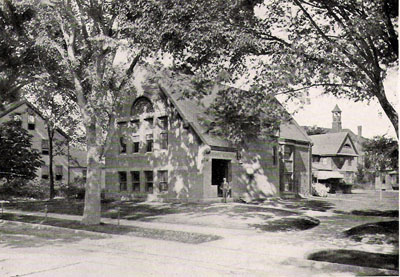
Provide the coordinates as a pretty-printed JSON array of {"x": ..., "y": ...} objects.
[
  {"x": 337, "y": 152},
  {"x": 163, "y": 150}
]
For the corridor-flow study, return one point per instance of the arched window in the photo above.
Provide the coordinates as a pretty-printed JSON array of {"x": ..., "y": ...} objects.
[
  {"x": 140, "y": 106},
  {"x": 347, "y": 145}
]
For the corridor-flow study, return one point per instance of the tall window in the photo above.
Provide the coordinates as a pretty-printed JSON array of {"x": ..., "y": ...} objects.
[
  {"x": 163, "y": 180},
  {"x": 122, "y": 181},
  {"x": 163, "y": 125},
  {"x": 135, "y": 180},
  {"x": 45, "y": 146},
  {"x": 122, "y": 139},
  {"x": 149, "y": 142},
  {"x": 59, "y": 172},
  {"x": 136, "y": 144},
  {"x": 149, "y": 181},
  {"x": 122, "y": 145},
  {"x": 274, "y": 155},
  {"x": 45, "y": 172},
  {"x": 84, "y": 174}
]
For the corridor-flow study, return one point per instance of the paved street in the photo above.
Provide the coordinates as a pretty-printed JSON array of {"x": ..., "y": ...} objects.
[{"x": 241, "y": 252}]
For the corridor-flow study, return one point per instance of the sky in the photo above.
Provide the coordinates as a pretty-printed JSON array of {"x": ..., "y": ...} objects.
[{"x": 368, "y": 115}]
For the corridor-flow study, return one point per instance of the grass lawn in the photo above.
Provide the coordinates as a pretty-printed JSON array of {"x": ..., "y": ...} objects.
[{"x": 185, "y": 237}]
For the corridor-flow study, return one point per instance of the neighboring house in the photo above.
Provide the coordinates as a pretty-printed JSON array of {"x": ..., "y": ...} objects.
[
  {"x": 357, "y": 139},
  {"x": 334, "y": 156},
  {"x": 34, "y": 122},
  {"x": 163, "y": 149}
]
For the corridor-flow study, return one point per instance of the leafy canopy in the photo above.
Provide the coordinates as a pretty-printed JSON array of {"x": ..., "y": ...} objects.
[
  {"x": 17, "y": 158},
  {"x": 381, "y": 153}
]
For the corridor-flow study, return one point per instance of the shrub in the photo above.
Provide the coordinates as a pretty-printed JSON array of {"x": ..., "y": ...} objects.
[
  {"x": 23, "y": 188},
  {"x": 72, "y": 191}
]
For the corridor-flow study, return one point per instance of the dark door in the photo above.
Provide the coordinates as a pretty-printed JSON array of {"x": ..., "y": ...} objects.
[{"x": 219, "y": 171}]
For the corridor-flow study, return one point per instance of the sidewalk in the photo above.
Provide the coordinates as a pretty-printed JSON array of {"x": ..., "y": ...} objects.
[{"x": 239, "y": 253}]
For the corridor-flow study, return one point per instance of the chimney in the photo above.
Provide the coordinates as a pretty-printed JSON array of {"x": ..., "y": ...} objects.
[
  {"x": 336, "y": 119},
  {"x": 359, "y": 133}
]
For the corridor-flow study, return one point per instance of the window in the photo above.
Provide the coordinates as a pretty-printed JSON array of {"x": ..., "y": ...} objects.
[
  {"x": 135, "y": 126},
  {"x": 149, "y": 181},
  {"x": 135, "y": 180},
  {"x": 31, "y": 122},
  {"x": 163, "y": 180},
  {"x": 149, "y": 123},
  {"x": 149, "y": 143},
  {"x": 350, "y": 161},
  {"x": 274, "y": 155},
  {"x": 45, "y": 172},
  {"x": 45, "y": 146},
  {"x": 136, "y": 145},
  {"x": 288, "y": 151},
  {"x": 122, "y": 139},
  {"x": 122, "y": 181},
  {"x": 324, "y": 161},
  {"x": 163, "y": 125},
  {"x": 347, "y": 145},
  {"x": 316, "y": 159},
  {"x": 140, "y": 106},
  {"x": 84, "y": 174},
  {"x": 164, "y": 141},
  {"x": 122, "y": 144},
  {"x": 17, "y": 117},
  {"x": 59, "y": 172}
]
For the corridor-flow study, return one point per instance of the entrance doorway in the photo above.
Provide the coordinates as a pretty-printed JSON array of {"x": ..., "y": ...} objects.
[{"x": 219, "y": 171}]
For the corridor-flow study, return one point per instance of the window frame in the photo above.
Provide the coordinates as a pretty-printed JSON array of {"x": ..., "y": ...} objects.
[
  {"x": 135, "y": 181},
  {"x": 45, "y": 147},
  {"x": 57, "y": 170},
  {"x": 149, "y": 182},
  {"x": 163, "y": 184},
  {"x": 123, "y": 184},
  {"x": 45, "y": 169}
]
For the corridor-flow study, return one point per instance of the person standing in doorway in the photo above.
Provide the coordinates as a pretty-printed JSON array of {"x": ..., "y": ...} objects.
[{"x": 225, "y": 189}]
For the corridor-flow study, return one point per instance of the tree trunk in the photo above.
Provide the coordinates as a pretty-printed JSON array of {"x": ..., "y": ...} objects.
[
  {"x": 388, "y": 109},
  {"x": 51, "y": 156},
  {"x": 92, "y": 210}
]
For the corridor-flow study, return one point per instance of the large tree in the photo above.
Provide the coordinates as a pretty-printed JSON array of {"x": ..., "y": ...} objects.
[
  {"x": 345, "y": 47},
  {"x": 90, "y": 50}
]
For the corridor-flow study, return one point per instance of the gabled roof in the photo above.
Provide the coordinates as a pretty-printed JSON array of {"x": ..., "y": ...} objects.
[
  {"x": 330, "y": 144},
  {"x": 13, "y": 106},
  {"x": 293, "y": 131},
  {"x": 193, "y": 111}
]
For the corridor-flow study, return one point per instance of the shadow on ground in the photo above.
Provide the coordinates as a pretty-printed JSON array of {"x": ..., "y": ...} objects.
[
  {"x": 376, "y": 232},
  {"x": 288, "y": 224},
  {"x": 358, "y": 258},
  {"x": 19, "y": 235},
  {"x": 111, "y": 229}
]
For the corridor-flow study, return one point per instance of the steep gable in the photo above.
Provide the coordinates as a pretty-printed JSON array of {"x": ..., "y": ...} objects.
[
  {"x": 15, "y": 105},
  {"x": 330, "y": 144}
]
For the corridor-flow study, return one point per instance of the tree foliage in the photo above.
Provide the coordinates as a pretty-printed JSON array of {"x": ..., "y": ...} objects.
[
  {"x": 343, "y": 46},
  {"x": 315, "y": 130},
  {"x": 17, "y": 158},
  {"x": 381, "y": 153}
]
